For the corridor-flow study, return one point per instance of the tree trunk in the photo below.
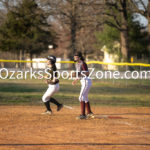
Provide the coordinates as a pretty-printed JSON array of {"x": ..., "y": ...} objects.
[
  {"x": 124, "y": 32},
  {"x": 31, "y": 56},
  {"x": 149, "y": 25},
  {"x": 124, "y": 45},
  {"x": 73, "y": 37},
  {"x": 23, "y": 58},
  {"x": 149, "y": 37},
  {"x": 73, "y": 28},
  {"x": 20, "y": 58}
]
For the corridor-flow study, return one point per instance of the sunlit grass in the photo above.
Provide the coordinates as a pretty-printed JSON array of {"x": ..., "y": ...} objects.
[{"x": 103, "y": 92}]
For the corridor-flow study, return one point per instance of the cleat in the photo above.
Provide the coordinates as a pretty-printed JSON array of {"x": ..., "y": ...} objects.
[
  {"x": 59, "y": 107},
  {"x": 47, "y": 112},
  {"x": 90, "y": 115},
  {"x": 81, "y": 117}
]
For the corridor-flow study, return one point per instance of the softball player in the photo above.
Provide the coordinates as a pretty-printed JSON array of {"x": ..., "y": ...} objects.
[
  {"x": 82, "y": 69},
  {"x": 53, "y": 86}
]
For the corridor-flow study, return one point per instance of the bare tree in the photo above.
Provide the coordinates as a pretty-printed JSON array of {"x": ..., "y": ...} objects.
[
  {"x": 143, "y": 7},
  {"x": 116, "y": 15},
  {"x": 8, "y": 4},
  {"x": 74, "y": 16}
]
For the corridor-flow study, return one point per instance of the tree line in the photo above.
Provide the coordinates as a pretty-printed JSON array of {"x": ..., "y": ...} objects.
[{"x": 30, "y": 26}]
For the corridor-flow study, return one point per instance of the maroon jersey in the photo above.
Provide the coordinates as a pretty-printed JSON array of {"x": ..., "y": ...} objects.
[{"x": 82, "y": 66}]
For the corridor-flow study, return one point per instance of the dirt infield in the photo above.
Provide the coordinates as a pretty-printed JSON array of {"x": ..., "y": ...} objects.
[{"x": 23, "y": 127}]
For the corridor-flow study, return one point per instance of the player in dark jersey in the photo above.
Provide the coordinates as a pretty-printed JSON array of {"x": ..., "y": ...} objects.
[
  {"x": 83, "y": 73},
  {"x": 53, "y": 86}
]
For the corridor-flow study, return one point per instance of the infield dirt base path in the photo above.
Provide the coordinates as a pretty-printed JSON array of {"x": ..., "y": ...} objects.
[{"x": 114, "y": 128}]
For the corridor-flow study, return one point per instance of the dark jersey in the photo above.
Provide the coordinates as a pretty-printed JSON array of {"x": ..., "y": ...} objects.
[
  {"x": 53, "y": 74},
  {"x": 82, "y": 66}
]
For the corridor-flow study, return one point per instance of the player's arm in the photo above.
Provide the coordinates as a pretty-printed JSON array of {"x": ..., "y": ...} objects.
[
  {"x": 76, "y": 77},
  {"x": 75, "y": 82}
]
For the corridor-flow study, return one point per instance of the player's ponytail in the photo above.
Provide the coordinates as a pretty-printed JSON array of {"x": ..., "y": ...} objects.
[
  {"x": 82, "y": 58},
  {"x": 54, "y": 67}
]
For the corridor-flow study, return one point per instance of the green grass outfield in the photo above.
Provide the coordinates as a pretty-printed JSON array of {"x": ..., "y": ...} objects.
[{"x": 103, "y": 92}]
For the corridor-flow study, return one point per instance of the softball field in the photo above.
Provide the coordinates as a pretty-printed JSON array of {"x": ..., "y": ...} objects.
[
  {"x": 122, "y": 117},
  {"x": 23, "y": 127}
]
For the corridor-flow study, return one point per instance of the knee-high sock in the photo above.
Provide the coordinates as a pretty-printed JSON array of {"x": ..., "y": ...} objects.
[
  {"x": 82, "y": 103},
  {"x": 88, "y": 108},
  {"x": 47, "y": 106},
  {"x": 52, "y": 100}
]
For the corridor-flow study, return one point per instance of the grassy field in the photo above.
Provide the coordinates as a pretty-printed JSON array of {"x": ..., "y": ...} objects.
[{"x": 103, "y": 92}]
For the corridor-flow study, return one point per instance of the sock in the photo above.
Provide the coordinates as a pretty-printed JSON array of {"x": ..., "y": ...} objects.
[
  {"x": 47, "y": 106},
  {"x": 52, "y": 100},
  {"x": 82, "y": 103},
  {"x": 88, "y": 108}
]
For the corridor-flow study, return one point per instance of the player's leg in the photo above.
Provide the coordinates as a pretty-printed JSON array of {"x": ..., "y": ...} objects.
[
  {"x": 87, "y": 103},
  {"x": 82, "y": 102},
  {"x": 53, "y": 100},
  {"x": 46, "y": 99},
  {"x": 48, "y": 109},
  {"x": 89, "y": 111},
  {"x": 85, "y": 98},
  {"x": 88, "y": 107},
  {"x": 82, "y": 116}
]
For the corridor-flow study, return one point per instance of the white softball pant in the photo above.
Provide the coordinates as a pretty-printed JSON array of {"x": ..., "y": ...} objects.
[
  {"x": 50, "y": 91},
  {"x": 85, "y": 87}
]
